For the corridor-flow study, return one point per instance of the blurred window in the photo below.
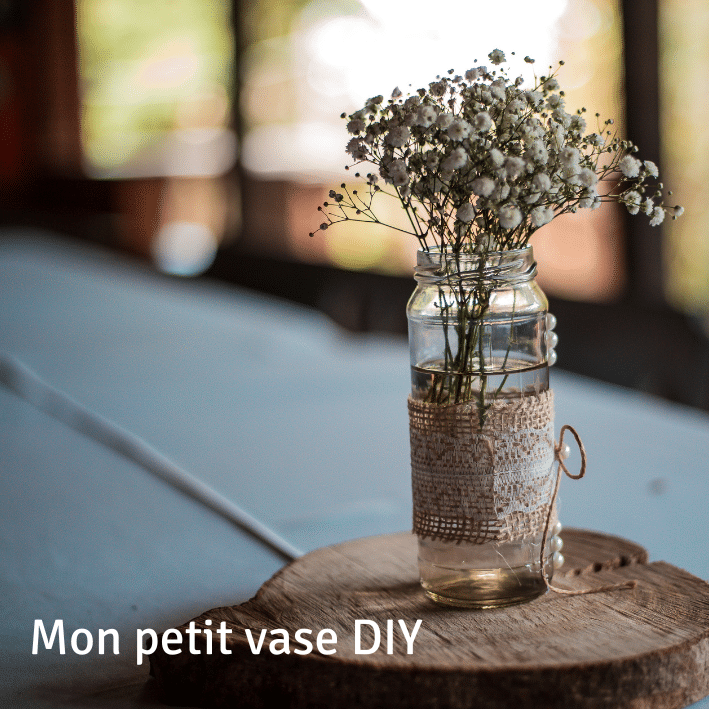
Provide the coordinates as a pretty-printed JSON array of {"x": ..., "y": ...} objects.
[
  {"x": 684, "y": 85},
  {"x": 155, "y": 79}
]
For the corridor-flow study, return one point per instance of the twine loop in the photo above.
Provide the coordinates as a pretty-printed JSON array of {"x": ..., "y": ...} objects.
[
  {"x": 559, "y": 447},
  {"x": 558, "y": 458}
]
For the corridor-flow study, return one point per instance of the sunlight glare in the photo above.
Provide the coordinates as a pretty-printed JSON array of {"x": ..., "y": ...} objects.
[{"x": 396, "y": 42}]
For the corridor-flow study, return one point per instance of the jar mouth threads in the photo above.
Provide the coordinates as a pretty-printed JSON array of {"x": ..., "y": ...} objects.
[{"x": 492, "y": 269}]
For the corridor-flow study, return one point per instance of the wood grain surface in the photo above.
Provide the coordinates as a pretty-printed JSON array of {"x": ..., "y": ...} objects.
[{"x": 646, "y": 648}]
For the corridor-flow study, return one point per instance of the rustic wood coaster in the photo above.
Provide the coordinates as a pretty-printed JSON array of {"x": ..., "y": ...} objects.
[{"x": 646, "y": 648}]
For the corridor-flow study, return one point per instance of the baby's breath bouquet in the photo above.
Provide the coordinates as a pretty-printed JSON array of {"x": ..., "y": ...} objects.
[{"x": 479, "y": 163}]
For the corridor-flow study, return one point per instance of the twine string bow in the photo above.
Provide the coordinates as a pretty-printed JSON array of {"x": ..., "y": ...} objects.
[
  {"x": 558, "y": 448},
  {"x": 558, "y": 458}
]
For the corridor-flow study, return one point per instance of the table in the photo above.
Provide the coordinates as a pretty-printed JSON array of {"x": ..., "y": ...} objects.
[{"x": 303, "y": 425}]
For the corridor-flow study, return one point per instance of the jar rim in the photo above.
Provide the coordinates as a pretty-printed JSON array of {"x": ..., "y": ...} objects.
[
  {"x": 492, "y": 268},
  {"x": 436, "y": 249}
]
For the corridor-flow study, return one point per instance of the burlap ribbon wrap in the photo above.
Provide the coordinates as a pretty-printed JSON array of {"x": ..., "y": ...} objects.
[{"x": 489, "y": 485}]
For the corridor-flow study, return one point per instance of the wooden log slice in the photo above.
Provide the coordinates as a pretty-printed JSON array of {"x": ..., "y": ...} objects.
[{"x": 646, "y": 648}]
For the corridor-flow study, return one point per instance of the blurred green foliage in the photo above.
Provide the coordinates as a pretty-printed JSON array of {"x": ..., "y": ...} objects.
[{"x": 140, "y": 62}]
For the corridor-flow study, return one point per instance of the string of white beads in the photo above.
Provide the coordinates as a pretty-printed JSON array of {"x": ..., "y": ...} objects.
[
  {"x": 557, "y": 543},
  {"x": 552, "y": 339}
]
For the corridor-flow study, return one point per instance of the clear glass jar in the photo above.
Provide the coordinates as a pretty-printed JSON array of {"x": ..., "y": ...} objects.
[{"x": 478, "y": 335}]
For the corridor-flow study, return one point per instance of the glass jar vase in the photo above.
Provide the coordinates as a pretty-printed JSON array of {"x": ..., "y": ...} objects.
[{"x": 481, "y": 422}]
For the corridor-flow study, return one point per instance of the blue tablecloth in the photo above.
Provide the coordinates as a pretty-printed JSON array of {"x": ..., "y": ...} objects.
[{"x": 301, "y": 424}]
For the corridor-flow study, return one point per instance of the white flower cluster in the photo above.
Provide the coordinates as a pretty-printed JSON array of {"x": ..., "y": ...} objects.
[{"x": 480, "y": 162}]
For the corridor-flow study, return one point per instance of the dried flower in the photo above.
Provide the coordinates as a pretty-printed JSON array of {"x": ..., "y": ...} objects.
[
  {"x": 496, "y": 56},
  {"x": 586, "y": 177},
  {"x": 398, "y": 136},
  {"x": 465, "y": 213},
  {"x": 630, "y": 166},
  {"x": 426, "y": 116},
  {"x": 514, "y": 167},
  {"x": 509, "y": 216},
  {"x": 632, "y": 201},
  {"x": 541, "y": 182},
  {"x": 480, "y": 163},
  {"x": 356, "y": 125},
  {"x": 482, "y": 122},
  {"x": 540, "y": 216},
  {"x": 569, "y": 157},
  {"x": 455, "y": 160},
  {"x": 497, "y": 157},
  {"x": 651, "y": 168},
  {"x": 482, "y": 186},
  {"x": 658, "y": 216},
  {"x": 458, "y": 129}
]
